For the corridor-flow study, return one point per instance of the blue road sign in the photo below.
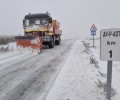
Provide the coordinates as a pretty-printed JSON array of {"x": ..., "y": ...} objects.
[{"x": 93, "y": 30}]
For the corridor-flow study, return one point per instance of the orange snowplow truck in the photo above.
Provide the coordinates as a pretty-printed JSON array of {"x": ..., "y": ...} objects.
[{"x": 39, "y": 30}]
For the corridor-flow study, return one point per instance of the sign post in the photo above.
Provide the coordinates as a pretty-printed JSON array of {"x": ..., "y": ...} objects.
[
  {"x": 109, "y": 51},
  {"x": 109, "y": 80},
  {"x": 93, "y": 40},
  {"x": 93, "y": 32}
]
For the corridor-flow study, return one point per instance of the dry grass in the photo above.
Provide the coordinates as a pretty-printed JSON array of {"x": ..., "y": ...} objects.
[{"x": 103, "y": 86}]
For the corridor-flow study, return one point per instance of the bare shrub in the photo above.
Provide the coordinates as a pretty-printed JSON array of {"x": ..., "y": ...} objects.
[
  {"x": 94, "y": 61},
  {"x": 87, "y": 46},
  {"x": 113, "y": 92},
  {"x": 87, "y": 51},
  {"x": 6, "y": 39},
  {"x": 103, "y": 86},
  {"x": 100, "y": 84},
  {"x": 102, "y": 75},
  {"x": 4, "y": 49}
]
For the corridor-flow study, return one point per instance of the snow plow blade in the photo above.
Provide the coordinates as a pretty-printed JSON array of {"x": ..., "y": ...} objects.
[{"x": 31, "y": 42}]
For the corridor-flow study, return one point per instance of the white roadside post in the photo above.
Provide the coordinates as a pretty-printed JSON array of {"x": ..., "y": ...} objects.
[
  {"x": 109, "y": 51},
  {"x": 93, "y": 32}
]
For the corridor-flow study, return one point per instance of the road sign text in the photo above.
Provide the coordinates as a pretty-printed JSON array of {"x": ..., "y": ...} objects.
[{"x": 110, "y": 33}]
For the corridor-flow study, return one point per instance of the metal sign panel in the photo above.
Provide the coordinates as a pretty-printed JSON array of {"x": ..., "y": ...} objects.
[
  {"x": 93, "y": 32},
  {"x": 110, "y": 44},
  {"x": 93, "y": 29}
]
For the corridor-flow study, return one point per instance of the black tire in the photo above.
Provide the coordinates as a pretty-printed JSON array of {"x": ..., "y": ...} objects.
[
  {"x": 57, "y": 42},
  {"x": 51, "y": 45}
]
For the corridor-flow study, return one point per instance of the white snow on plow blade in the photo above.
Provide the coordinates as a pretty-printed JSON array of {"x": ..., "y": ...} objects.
[{"x": 27, "y": 49}]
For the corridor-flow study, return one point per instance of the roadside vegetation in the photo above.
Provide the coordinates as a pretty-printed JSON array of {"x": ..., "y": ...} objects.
[{"x": 4, "y": 40}]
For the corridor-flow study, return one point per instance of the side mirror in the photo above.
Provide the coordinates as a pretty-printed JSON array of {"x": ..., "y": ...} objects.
[
  {"x": 50, "y": 20},
  {"x": 24, "y": 23}
]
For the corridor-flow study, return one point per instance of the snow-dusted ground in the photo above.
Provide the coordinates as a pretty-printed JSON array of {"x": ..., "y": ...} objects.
[
  {"x": 71, "y": 71},
  {"x": 81, "y": 80},
  {"x": 103, "y": 69}
]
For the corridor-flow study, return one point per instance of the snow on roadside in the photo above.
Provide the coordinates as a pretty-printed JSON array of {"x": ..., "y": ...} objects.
[
  {"x": 7, "y": 51},
  {"x": 10, "y": 53},
  {"x": 11, "y": 49},
  {"x": 77, "y": 79},
  {"x": 103, "y": 69},
  {"x": 8, "y": 48}
]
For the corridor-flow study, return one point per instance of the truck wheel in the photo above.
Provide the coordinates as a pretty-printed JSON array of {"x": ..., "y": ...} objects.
[
  {"x": 51, "y": 45},
  {"x": 57, "y": 42}
]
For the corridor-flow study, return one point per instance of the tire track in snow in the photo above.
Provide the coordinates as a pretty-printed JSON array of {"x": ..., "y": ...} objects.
[
  {"x": 26, "y": 69},
  {"x": 10, "y": 64},
  {"x": 10, "y": 56}
]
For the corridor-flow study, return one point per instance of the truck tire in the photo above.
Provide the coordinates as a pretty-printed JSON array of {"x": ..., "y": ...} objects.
[
  {"x": 51, "y": 45},
  {"x": 57, "y": 42}
]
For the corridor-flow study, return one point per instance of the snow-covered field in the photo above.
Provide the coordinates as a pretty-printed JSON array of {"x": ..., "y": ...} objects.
[{"x": 71, "y": 71}]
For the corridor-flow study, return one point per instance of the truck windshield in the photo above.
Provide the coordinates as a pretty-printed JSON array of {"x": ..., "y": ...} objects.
[{"x": 37, "y": 21}]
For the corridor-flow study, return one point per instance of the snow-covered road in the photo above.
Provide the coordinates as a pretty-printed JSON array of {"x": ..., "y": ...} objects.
[
  {"x": 70, "y": 71},
  {"x": 26, "y": 76}
]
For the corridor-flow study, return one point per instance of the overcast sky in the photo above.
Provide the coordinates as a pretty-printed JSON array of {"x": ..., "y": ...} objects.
[{"x": 76, "y": 16}]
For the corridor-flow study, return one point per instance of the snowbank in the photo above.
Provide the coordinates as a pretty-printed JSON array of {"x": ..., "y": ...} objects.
[
  {"x": 8, "y": 47},
  {"x": 77, "y": 79}
]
